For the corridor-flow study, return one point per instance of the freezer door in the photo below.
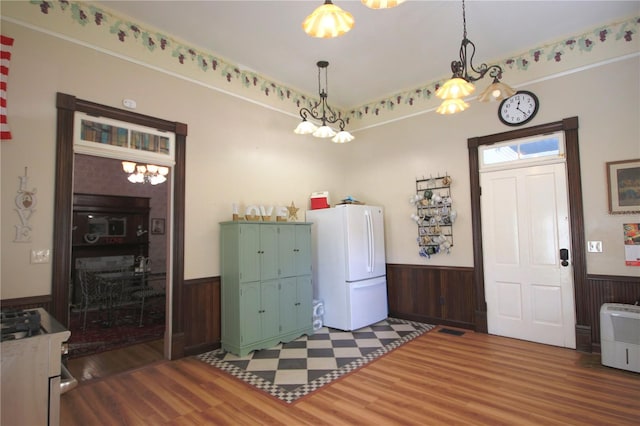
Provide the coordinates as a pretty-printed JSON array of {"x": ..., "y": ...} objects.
[
  {"x": 364, "y": 242},
  {"x": 368, "y": 302}
]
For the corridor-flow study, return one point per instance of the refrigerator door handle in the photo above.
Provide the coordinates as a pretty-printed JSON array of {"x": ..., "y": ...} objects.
[{"x": 370, "y": 246}]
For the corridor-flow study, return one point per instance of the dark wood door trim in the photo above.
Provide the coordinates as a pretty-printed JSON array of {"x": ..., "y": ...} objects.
[
  {"x": 67, "y": 105},
  {"x": 570, "y": 128}
]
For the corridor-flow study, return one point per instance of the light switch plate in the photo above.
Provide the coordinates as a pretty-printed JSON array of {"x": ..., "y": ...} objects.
[
  {"x": 594, "y": 246},
  {"x": 40, "y": 256}
]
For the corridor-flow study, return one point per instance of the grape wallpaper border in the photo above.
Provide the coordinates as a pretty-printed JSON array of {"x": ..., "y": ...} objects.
[{"x": 93, "y": 18}]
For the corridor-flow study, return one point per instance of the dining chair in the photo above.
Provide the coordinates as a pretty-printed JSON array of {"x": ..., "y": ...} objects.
[{"x": 146, "y": 292}]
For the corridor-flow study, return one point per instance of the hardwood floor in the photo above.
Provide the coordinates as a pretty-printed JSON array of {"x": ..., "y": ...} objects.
[
  {"x": 107, "y": 364},
  {"x": 433, "y": 380}
]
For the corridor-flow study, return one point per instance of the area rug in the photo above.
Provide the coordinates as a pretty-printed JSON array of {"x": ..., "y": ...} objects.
[
  {"x": 124, "y": 330},
  {"x": 292, "y": 370}
]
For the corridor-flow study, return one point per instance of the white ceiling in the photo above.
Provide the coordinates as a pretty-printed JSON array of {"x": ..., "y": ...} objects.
[{"x": 387, "y": 51}]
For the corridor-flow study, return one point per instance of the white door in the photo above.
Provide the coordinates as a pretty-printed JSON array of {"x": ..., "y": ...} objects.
[{"x": 525, "y": 225}]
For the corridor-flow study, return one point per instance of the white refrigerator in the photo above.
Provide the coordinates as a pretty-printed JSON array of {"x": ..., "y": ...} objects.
[{"x": 349, "y": 269}]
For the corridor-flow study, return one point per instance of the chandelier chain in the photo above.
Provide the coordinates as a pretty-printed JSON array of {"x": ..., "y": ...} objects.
[{"x": 464, "y": 22}]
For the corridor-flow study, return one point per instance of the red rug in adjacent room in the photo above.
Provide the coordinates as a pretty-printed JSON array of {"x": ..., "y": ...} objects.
[{"x": 125, "y": 331}]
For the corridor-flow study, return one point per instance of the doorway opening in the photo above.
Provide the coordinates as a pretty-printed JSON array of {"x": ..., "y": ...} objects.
[
  {"x": 119, "y": 259},
  {"x": 67, "y": 106}
]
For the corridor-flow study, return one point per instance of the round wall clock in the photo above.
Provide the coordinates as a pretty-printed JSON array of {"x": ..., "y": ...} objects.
[{"x": 519, "y": 108}]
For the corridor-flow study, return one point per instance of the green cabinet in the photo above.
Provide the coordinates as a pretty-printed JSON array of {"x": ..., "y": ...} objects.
[{"x": 266, "y": 284}]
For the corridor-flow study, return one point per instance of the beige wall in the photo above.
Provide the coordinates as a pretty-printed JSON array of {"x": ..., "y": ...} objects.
[{"x": 239, "y": 151}]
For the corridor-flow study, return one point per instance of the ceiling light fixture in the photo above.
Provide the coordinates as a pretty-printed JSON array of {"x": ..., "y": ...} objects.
[
  {"x": 328, "y": 115},
  {"x": 328, "y": 21},
  {"x": 381, "y": 4},
  {"x": 461, "y": 83},
  {"x": 150, "y": 173}
]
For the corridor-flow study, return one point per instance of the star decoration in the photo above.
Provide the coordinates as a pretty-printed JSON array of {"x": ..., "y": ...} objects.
[{"x": 293, "y": 212}]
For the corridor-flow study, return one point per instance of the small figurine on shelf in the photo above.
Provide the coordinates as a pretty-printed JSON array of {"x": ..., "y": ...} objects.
[{"x": 293, "y": 212}]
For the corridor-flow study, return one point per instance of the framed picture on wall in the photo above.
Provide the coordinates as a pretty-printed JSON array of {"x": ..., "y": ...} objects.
[
  {"x": 623, "y": 183},
  {"x": 157, "y": 226}
]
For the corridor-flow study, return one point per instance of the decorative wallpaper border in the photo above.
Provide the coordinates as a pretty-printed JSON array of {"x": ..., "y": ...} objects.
[{"x": 94, "y": 18}]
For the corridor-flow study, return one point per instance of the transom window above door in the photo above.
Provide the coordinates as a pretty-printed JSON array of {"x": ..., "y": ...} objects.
[
  {"x": 106, "y": 137},
  {"x": 516, "y": 152}
]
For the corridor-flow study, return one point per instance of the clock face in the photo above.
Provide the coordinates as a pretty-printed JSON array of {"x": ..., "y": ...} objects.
[{"x": 518, "y": 109}]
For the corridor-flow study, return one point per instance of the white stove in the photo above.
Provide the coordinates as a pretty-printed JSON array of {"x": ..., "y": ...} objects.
[{"x": 31, "y": 350}]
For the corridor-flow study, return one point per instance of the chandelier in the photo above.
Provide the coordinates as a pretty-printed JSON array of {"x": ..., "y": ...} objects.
[
  {"x": 322, "y": 112},
  {"x": 461, "y": 83},
  {"x": 150, "y": 173}
]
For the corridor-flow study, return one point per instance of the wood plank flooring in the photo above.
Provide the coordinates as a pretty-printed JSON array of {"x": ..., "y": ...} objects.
[{"x": 436, "y": 379}]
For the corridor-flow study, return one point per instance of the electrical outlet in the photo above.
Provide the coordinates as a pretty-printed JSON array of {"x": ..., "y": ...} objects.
[
  {"x": 40, "y": 256},
  {"x": 594, "y": 246}
]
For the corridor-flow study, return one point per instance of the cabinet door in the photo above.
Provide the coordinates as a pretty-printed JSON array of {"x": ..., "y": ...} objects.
[
  {"x": 303, "y": 250},
  {"x": 250, "y": 313},
  {"x": 268, "y": 252},
  {"x": 286, "y": 250},
  {"x": 296, "y": 303},
  {"x": 249, "y": 252},
  {"x": 288, "y": 305},
  {"x": 269, "y": 319},
  {"x": 304, "y": 302}
]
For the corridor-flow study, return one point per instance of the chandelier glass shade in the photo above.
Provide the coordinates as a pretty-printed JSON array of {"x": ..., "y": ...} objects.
[
  {"x": 455, "y": 88},
  {"x": 328, "y": 21},
  {"x": 323, "y": 113},
  {"x": 452, "y": 106},
  {"x": 496, "y": 91},
  {"x": 149, "y": 173},
  {"x": 381, "y": 4},
  {"x": 465, "y": 73}
]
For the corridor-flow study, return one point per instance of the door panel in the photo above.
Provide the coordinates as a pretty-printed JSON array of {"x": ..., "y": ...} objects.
[
  {"x": 268, "y": 252},
  {"x": 303, "y": 247},
  {"x": 509, "y": 297},
  {"x": 286, "y": 251},
  {"x": 288, "y": 305},
  {"x": 250, "y": 313},
  {"x": 529, "y": 294},
  {"x": 270, "y": 309}
]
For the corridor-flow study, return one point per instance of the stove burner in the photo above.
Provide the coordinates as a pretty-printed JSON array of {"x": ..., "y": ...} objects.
[{"x": 20, "y": 323}]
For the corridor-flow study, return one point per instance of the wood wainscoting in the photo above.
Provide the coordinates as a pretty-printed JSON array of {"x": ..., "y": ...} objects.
[
  {"x": 33, "y": 302},
  {"x": 201, "y": 315},
  {"x": 432, "y": 294},
  {"x": 602, "y": 289}
]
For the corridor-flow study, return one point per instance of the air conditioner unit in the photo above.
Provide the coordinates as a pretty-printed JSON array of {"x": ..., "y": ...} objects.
[{"x": 620, "y": 336}]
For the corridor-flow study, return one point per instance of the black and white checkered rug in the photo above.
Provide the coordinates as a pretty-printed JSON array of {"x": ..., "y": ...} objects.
[{"x": 295, "y": 369}]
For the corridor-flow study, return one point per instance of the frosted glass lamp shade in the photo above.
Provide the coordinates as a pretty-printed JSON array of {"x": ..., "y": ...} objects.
[
  {"x": 128, "y": 166},
  {"x": 452, "y": 106},
  {"x": 455, "y": 88},
  {"x": 343, "y": 137},
  {"x": 305, "y": 128},
  {"x": 324, "y": 132},
  {"x": 496, "y": 91},
  {"x": 328, "y": 21},
  {"x": 381, "y": 4}
]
